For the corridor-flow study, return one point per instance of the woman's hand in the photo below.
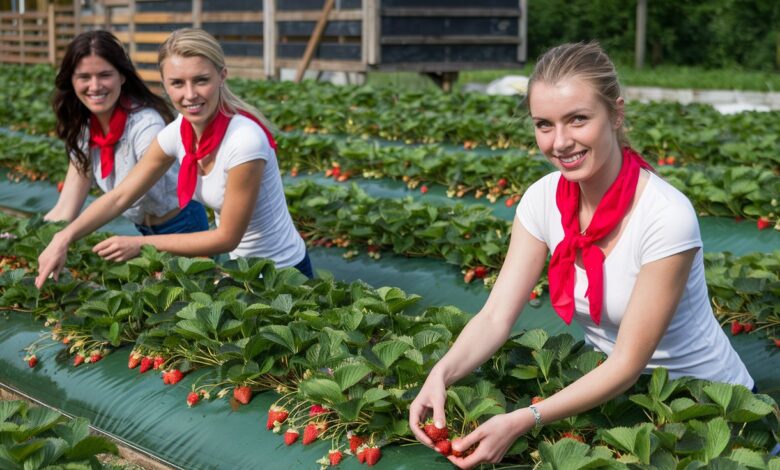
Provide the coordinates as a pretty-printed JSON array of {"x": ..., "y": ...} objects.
[
  {"x": 52, "y": 259},
  {"x": 430, "y": 400},
  {"x": 492, "y": 439},
  {"x": 119, "y": 248}
]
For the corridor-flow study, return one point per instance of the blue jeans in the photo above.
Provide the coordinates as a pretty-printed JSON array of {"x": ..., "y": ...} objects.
[
  {"x": 190, "y": 219},
  {"x": 305, "y": 266}
]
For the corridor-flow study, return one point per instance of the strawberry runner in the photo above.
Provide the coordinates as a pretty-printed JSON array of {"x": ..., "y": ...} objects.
[
  {"x": 116, "y": 127},
  {"x": 209, "y": 141},
  {"x": 609, "y": 213}
]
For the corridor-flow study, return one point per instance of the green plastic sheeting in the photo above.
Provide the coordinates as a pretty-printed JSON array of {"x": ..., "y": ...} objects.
[{"x": 154, "y": 417}]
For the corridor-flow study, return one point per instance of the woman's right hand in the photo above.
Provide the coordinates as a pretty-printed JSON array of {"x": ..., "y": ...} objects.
[
  {"x": 52, "y": 259},
  {"x": 429, "y": 401}
]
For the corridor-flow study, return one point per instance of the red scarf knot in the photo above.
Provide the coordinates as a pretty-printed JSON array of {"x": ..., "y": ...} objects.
[
  {"x": 209, "y": 141},
  {"x": 116, "y": 127},
  {"x": 609, "y": 213}
]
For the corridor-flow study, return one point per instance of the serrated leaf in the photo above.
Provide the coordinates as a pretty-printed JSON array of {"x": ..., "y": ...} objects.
[
  {"x": 525, "y": 372},
  {"x": 544, "y": 358},
  {"x": 350, "y": 374},
  {"x": 281, "y": 335},
  {"x": 533, "y": 339},
  {"x": 720, "y": 393},
  {"x": 485, "y": 406},
  {"x": 389, "y": 351},
  {"x": 324, "y": 391}
]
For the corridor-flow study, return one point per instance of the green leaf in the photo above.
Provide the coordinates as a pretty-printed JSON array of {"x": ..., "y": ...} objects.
[
  {"x": 748, "y": 458},
  {"x": 281, "y": 335},
  {"x": 375, "y": 394},
  {"x": 485, "y": 406},
  {"x": 350, "y": 374},
  {"x": 10, "y": 408},
  {"x": 533, "y": 339},
  {"x": 91, "y": 445},
  {"x": 192, "y": 266},
  {"x": 283, "y": 303},
  {"x": 525, "y": 372},
  {"x": 720, "y": 393},
  {"x": 389, "y": 351},
  {"x": 324, "y": 391},
  {"x": 717, "y": 438},
  {"x": 544, "y": 358}
]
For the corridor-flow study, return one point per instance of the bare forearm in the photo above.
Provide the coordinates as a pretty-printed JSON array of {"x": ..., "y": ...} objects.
[{"x": 206, "y": 243}]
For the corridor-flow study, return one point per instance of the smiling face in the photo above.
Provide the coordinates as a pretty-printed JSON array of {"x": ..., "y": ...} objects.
[
  {"x": 575, "y": 131},
  {"x": 193, "y": 83},
  {"x": 98, "y": 85}
]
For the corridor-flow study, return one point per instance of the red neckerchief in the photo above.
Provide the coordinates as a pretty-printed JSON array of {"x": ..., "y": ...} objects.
[
  {"x": 116, "y": 127},
  {"x": 209, "y": 141},
  {"x": 609, "y": 213}
]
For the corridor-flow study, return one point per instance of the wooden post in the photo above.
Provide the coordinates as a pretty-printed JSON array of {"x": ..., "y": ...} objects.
[
  {"x": 522, "y": 30},
  {"x": 77, "y": 17},
  {"x": 132, "y": 47},
  {"x": 51, "y": 29},
  {"x": 269, "y": 38},
  {"x": 197, "y": 13},
  {"x": 641, "y": 27},
  {"x": 314, "y": 40},
  {"x": 370, "y": 40}
]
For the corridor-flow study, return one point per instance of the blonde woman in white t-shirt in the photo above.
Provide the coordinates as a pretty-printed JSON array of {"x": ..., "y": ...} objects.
[
  {"x": 227, "y": 162},
  {"x": 626, "y": 262}
]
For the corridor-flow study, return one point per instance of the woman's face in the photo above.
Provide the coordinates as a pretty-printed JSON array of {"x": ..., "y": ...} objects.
[
  {"x": 193, "y": 83},
  {"x": 97, "y": 84},
  {"x": 574, "y": 129}
]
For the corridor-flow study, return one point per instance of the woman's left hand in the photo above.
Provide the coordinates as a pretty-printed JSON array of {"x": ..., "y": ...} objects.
[
  {"x": 493, "y": 439},
  {"x": 119, "y": 248}
]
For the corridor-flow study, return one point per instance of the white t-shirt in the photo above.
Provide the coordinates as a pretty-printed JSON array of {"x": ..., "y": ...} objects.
[
  {"x": 141, "y": 128},
  {"x": 663, "y": 223},
  {"x": 271, "y": 233}
]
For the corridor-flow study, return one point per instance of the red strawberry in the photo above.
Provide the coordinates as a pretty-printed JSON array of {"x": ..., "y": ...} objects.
[
  {"x": 315, "y": 410},
  {"x": 572, "y": 435},
  {"x": 78, "y": 359},
  {"x": 174, "y": 376},
  {"x": 60, "y": 185},
  {"x": 777, "y": 342},
  {"x": 533, "y": 295},
  {"x": 444, "y": 447},
  {"x": 763, "y": 223},
  {"x": 510, "y": 201},
  {"x": 423, "y": 189},
  {"x": 95, "y": 357},
  {"x": 502, "y": 183},
  {"x": 373, "y": 454},
  {"x": 276, "y": 415},
  {"x": 671, "y": 160},
  {"x": 290, "y": 436},
  {"x": 146, "y": 364},
  {"x": 158, "y": 361},
  {"x": 355, "y": 441},
  {"x": 661, "y": 162},
  {"x": 469, "y": 276},
  {"x": 463, "y": 453},
  {"x": 310, "y": 433},
  {"x": 32, "y": 361},
  {"x": 480, "y": 272},
  {"x": 335, "y": 457},
  {"x": 736, "y": 327},
  {"x": 536, "y": 399},
  {"x": 748, "y": 327},
  {"x": 192, "y": 399},
  {"x": 166, "y": 377},
  {"x": 361, "y": 454},
  {"x": 435, "y": 433},
  {"x": 133, "y": 361},
  {"x": 336, "y": 172},
  {"x": 242, "y": 394}
]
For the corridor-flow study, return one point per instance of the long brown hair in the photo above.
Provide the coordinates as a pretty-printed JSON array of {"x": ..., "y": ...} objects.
[{"x": 72, "y": 115}]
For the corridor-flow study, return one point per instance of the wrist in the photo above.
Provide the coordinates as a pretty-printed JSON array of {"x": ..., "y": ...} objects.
[
  {"x": 523, "y": 420},
  {"x": 63, "y": 237}
]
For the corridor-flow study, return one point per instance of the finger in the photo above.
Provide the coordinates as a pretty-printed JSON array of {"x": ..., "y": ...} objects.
[
  {"x": 459, "y": 462},
  {"x": 474, "y": 459},
  {"x": 468, "y": 440},
  {"x": 439, "y": 417},
  {"x": 416, "y": 411},
  {"x": 40, "y": 279}
]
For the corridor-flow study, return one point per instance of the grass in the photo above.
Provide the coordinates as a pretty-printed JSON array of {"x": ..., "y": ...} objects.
[{"x": 666, "y": 76}]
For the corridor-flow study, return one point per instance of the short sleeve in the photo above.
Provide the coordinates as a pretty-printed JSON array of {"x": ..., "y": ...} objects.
[
  {"x": 169, "y": 137},
  {"x": 532, "y": 211},
  {"x": 247, "y": 142},
  {"x": 671, "y": 228}
]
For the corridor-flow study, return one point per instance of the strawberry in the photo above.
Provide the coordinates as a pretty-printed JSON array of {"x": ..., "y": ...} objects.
[
  {"x": 355, "y": 441},
  {"x": 174, "y": 376},
  {"x": 469, "y": 276},
  {"x": 95, "y": 357},
  {"x": 166, "y": 377},
  {"x": 480, "y": 272},
  {"x": 444, "y": 447},
  {"x": 133, "y": 361},
  {"x": 536, "y": 399},
  {"x": 736, "y": 327},
  {"x": 373, "y": 454},
  {"x": 661, "y": 162},
  {"x": 336, "y": 172},
  {"x": 192, "y": 399},
  {"x": 310, "y": 433},
  {"x": 748, "y": 327},
  {"x": 423, "y": 189},
  {"x": 146, "y": 364},
  {"x": 763, "y": 223},
  {"x": 78, "y": 359},
  {"x": 671, "y": 160},
  {"x": 361, "y": 454},
  {"x": 335, "y": 457},
  {"x": 60, "y": 185},
  {"x": 33, "y": 361},
  {"x": 66, "y": 340},
  {"x": 502, "y": 183},
  {"x": 276, "y": 415},
  {"x": 572, "y": 435},
  {"x": 158, "y": 361},
  {"x": 290, "y": 436},
  {"x": 510, "y": 201},
  {"x": 435, "y": 433},
  {"x": 242, "y": 394},
  {"x": 463, "y": 453},
  {"x": 533, "y": 295},
  {"x": 777, "y": 342},
  {"x": 294, "y": 171},
  {"x": 316, "y": 410}
]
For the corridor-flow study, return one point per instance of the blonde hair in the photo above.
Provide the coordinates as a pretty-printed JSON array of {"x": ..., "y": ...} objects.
[
  {"x": 194, "y": 42},
  {"x": 584, "y": 61}
]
